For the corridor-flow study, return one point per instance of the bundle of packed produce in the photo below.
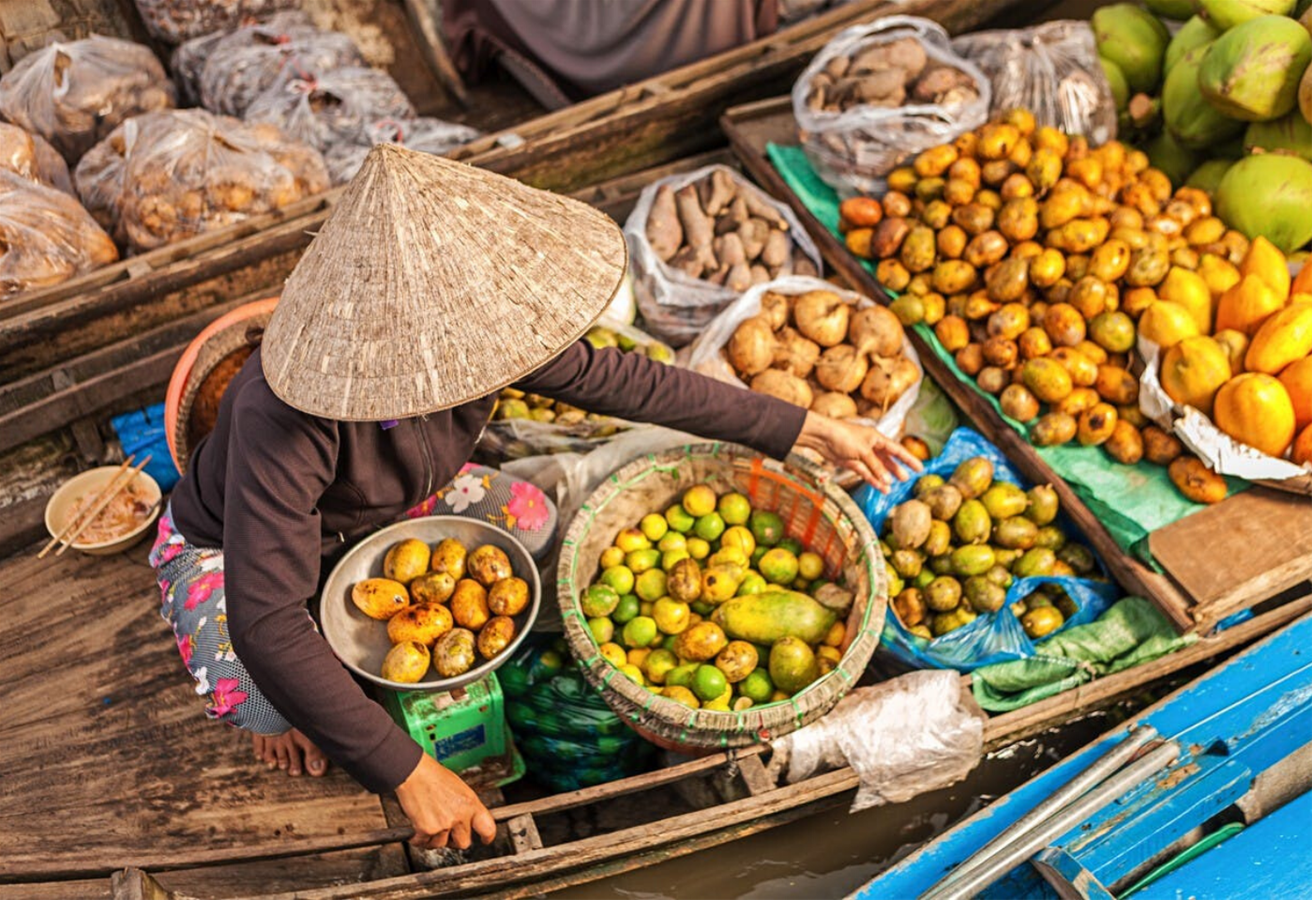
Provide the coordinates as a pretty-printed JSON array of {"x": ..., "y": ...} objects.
[
  {"x": 1224, "y": 104},
  {"x": 966, "y": 544},
  {"x": 816, "y": 346},
  {"x": 879, "y": 93},
  {"x": 238, "y": 67},
  {"x": 1245, "y": 370},
  {"x": 699, "y": 240},
  {"x": 46, "y": 237},
  {"x": 32, "y": 156},
  {"x": 75, "y": 94},
  {"x": 175, "y": 21},
  {"x": 427, "y": 134},
  {"x": 447, "y": 606},
  {"x": 166, "y": 176},
  {"x": 529, "y": 424},
  {"x": 711, "y": 605}
]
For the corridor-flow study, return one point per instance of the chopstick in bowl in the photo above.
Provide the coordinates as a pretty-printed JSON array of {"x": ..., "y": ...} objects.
[{"x": 107, "y": 494}]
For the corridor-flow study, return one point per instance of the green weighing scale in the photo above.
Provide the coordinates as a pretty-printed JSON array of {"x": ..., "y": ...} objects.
[{"x": 465, "y": 730}]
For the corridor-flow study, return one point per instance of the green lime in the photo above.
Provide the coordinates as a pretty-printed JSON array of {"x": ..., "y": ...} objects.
[
  {"x": 758, "y": 553},
  {"x": 735, "y": 508},
  {"x": 599, "y": 600},
  {"x": 658, "y": 664},
  {"x": 708, "y": 683},
  {"x": 654, "y": 526},
  {"x": 651, "y": 584},
  {"x": 757, "y": 686},
  {"x": 792, "y": 545},
  {"x": 767, "y": 527},
  {"x": 640, "y": 561},
  {"x": 779, "y": 566},
  {"x": 618, "y": 577},
  {"x": 681, "y": 676},
  {"x": 667, "y": 643},
  {"x": 626, "y": 609},
  {"x": 602, "y": 628},
  {"x": 709, "y": 527},
  {"x": 702, "y": 608},
  {"x": 672, "y": 541},
  {"x": 679, "y": 519},
  {"x": 640, "y": 631},
  {"x": 810, "y": 565},
  {"x": 752, "y": 584}
]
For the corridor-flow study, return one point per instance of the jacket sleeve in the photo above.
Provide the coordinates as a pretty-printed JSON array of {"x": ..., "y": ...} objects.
[
  {"x": 631, "y": 386},
  {"x": 279, "y": 464}
]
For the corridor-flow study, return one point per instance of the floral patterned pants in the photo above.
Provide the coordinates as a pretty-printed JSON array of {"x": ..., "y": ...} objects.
[{"x": 193, "y": 603}]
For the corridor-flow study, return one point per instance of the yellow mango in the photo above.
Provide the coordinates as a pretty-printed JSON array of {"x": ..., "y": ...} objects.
[
  {"x": 1284, "y": 338},
  {"x": 1166, "y": 323},
  {"x": 1219, "y": 273},
  {"x": 1236, "y": 345},
  {"x": 1246, "y": 305},
  {"x": 1194, "y": 370},
  {"x": 1190, "y": 291},
  {"x": 1255, "y": 409},
  {"x": 1265, "y": 260}
]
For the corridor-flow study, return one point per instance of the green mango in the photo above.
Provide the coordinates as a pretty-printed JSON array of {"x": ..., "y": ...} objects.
[
  {"x": 1208, "y": 175},
  {"x": 1172, "y": 9},
  {"x": 1251, "y": 72},
  {"x": 1116, "y": 78},
  {"x": 769, "y": 617},
  {"x": 1290, "y": 135},
  {"x": 1166, "y": 154}
]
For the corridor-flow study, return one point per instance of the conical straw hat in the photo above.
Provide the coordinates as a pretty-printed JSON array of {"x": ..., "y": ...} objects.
[{"x": 434, "y": 283}]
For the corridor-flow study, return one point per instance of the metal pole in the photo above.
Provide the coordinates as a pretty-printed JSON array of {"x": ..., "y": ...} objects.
[
  {"x": 1063, "y": 797},
  {"x": 1060, "y": 823}
]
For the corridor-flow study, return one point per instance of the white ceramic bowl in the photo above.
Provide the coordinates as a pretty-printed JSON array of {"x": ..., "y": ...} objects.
[
  {"x": 60, "y": 505},
  {"x": 361, "y": 642}
]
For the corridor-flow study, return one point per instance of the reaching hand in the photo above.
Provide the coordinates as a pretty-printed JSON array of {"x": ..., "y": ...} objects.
[
  {"x": 443, "y": 808},
  {"x": 859, "y": 448}
]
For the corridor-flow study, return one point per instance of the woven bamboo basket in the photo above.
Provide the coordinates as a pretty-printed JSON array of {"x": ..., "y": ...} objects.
[{"x": 816, "y": 512}]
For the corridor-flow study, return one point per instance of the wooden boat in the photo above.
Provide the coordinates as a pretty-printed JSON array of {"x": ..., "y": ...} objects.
[{"x": 1241, "y": 742}]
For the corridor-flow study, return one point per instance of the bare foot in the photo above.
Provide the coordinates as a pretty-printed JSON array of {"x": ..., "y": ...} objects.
[{"x": 291, "y": 751}]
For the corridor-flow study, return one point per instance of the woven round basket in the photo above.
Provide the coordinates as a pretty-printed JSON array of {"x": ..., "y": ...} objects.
[
  {"x": 815, "y": 511},
  {"x": 191, "y": 404}
]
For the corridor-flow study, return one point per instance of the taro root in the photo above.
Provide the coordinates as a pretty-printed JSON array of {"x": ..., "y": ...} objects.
[
  {"x": 822, "y": 316},
  {"x": 875, "y": 331},
  {"x": 788, "y": 388},
  {"x": 910, "y": 524},
  {"x": 834, "y": 405},
  {"x": 795, "y": 354},
  {"x": 751, "y": 349},
  {"x": 889, "y": 379},
  {"x": 774, "y": 308},
  {"x": 841, "y": 368}
]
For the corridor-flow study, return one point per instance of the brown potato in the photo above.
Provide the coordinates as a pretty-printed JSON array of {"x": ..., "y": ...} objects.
[
  {"x": 449, "y": 556},
  {"x": 1034, "y": 342},
  {"x": 435, "y": 587},
  {"x": 888, "y": 237},
  {"x": 1089, "y": 296},
  {"x": 508, "y": 597},
  {"x": 1159, "y": 447},
  {"x": 918, "y": 249},
  {"x": 1000, "y": 352},
  {"x": 974, "y": 218},
  {"x": 986, "y": 249},
  {"x": 1053, "y": 429},
  {"x": 469, "y": 604},
  {"x": 936, "y": 214},
  {"x": 1196, "y": 481},
  {"x": 496, "y": 636},
  {"x": 954, "y": 276},
  {"x": 1083, "y": 371},
  {"x": 1008, "y": 280},
  {"x": 992, "y": 379},
  {"x": 1018, "y": 403},
  {"x": 489, "y": 564},
  {"x": 1125, "y": 444},
  {"x": 786, "y": 387},
  {"x": 422, "y": 623},
  {"x": 1077, "y": 402},
  {"x": 380, "y": 598},
  {"x": 970, "y": 359},
  {"x": 1047, "y": 267},
  {"x": 951, "y": 242},
  {"x": 892, "y": 274},
  {"x": 896, "y": 204},
  {"x": 406, "y": 560},
  {"x": 1018, "y": 220},
  {"x": 454, "y": 653},
  {"x": 952, "y": 332}
]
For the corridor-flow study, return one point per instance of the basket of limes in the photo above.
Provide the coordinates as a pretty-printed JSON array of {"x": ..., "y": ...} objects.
[{"x": 717, "y": 599}]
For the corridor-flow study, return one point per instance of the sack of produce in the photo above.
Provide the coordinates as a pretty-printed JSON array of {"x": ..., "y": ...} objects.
[
  {"x": 167, "y": 176},
  {"x": 718, "y": 599},
  {"x": 32, "y": 156},
  {"x": 698, "y": 240},
  {"x": 429, "y": 135},
  {"x": 1052, "y": 70},
  {"x": 174, "y": 21},
  {"x": 979, "y": 567},
  {"x": 814, "y": 345},
  {"x": 46, "y": 237},
  {"x": 188, "y": 59},
  {"x": 245, "y": 64},
  {"x": 880, "y": 93},
  {"x": 75, "y": 94},
  {"x": 531, "y": 425},
  {"x": 568, "y": 736},
  {"x": 332, "y": 107}
]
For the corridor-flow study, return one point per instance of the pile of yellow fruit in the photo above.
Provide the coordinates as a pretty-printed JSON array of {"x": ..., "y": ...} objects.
[
  {"x": 711, "y": 605},
  {"x": 445, "y": 606}
]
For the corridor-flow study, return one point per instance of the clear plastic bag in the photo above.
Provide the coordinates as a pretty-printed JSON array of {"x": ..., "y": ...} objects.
[
  {"x": 853, "y": 150},
  {"x": 189, "y": 58},
  {"x": 1052, "y": 70},
  {"x": 258, "y": 58},
  {"x": 32, "y": 156},
  {"x": 164, "y": 177},
  {"x": 915, "y": 733},
  {"x": 331, "y": 107},
  {"x": 707, "y": 357},
  {"x": 75, "y": 94},
  {"x": 425, "y": 134},
  {"x": 675, "y": 306},
  {"x": 46, "y": 237},
  {"x": 175, "y": 21}
]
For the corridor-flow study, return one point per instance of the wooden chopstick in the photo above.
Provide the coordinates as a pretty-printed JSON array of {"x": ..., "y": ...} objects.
[
  {"x": 103, "y": 500},
  {"x": 73, "y": 521}
]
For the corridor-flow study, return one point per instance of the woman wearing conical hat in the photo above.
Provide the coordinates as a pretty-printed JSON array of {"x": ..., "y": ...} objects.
[{"x": 431, "y": 286}]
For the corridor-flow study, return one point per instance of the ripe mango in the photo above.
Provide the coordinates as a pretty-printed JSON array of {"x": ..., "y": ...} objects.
[
  {"x": 1283, "y": 339},
  {"x": 793, "y": 665},
  {"x": 1246, "y": 306},
  {"x": 769, "y": 617}
]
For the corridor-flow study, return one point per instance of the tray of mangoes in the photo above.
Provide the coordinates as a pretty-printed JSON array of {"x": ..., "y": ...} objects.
[
  {"x": 955, "y": 547},
  {"x": 711, "y": 605},
  {"x": 1037, "y": 259}
]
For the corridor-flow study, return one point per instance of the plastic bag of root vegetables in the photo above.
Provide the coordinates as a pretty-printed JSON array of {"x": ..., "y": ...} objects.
[
  {"x": 699, "y": 240},
  {"x": 426, "y": 134},
  {"x": 46, "y": 237},
  {"x": 32, "y": 156},
  {"x": 798, "y": 356},
  {"x": 1052, "y": 70},
  {"x": 167, "y": 176},
  {"x": 175, "y": 21},
  {"x": 75, "y": 94},
  {"x": 880, "y": 93}
]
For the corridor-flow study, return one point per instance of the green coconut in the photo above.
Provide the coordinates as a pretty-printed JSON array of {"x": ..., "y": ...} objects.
[
  {"x": 1268, "y": 194},
  {"x": 1116, "y": 78},
  {"x": 1197, "y": 32},
  {"x": 1305, "y": 95},
  {"x": 1135, "y": 40},
  {"x": 1208, "y": 176},
  {"x": 1291, "y": 135},
  {"x": 1192, "y": 121},
  {"x": 1252, "y": 71},
  {"x": 1166, "y": 154},
  {"x": 1226, "y": 14}
]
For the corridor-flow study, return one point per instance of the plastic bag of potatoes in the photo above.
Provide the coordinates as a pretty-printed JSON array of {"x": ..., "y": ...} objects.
[
  {"x": 32, "y": 156},
  {"x": 75, "y": 94},
  {"x": 167, "y": 176},
  {"x": 46, "y": 237},
  {"x": 878, "y": 94},
  {"x": 174, "y": 21}
]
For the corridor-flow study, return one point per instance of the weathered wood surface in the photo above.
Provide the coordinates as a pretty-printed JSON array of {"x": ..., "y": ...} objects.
[{"x": 750, "y": 128}]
